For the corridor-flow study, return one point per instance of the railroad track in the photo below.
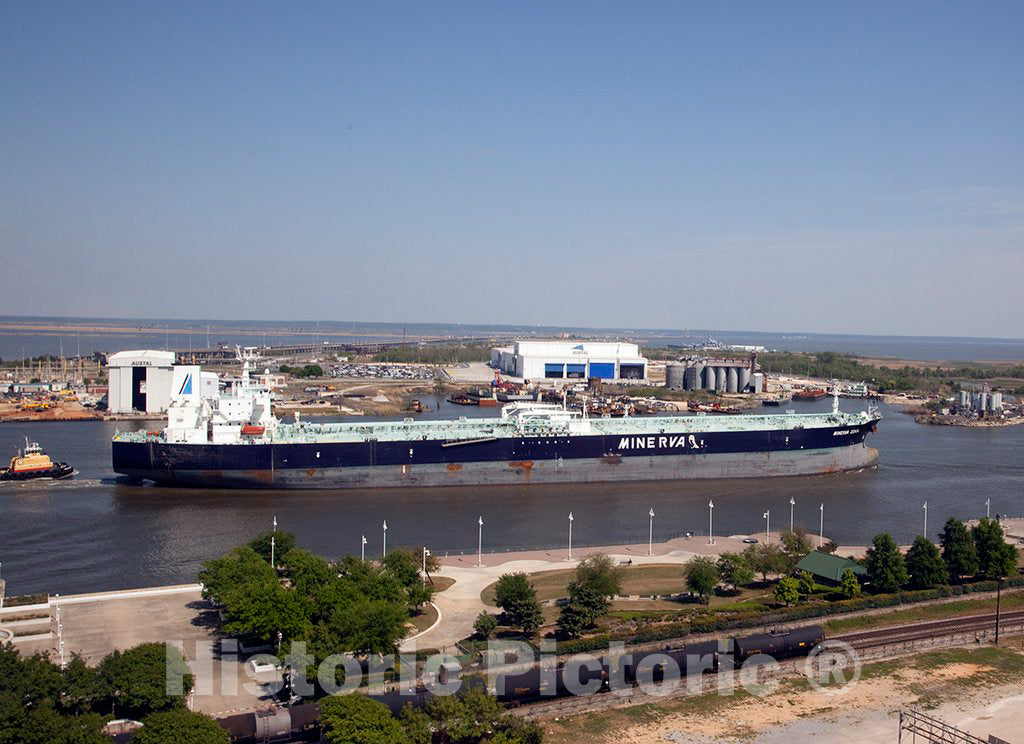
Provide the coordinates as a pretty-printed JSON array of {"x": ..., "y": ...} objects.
[
  {"x": 861, "y": 641},
  {"x": 921, "y": 631}
]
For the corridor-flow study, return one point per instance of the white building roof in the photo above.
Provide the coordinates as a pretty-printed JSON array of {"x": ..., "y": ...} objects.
[{"x": 141, "y": 358}]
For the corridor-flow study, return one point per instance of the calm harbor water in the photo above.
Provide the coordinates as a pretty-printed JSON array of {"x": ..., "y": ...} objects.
[{"x": 93, "y": 533}]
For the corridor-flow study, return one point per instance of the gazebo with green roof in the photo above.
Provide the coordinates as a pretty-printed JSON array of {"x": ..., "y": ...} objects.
[{"x": 828, "y": 569}]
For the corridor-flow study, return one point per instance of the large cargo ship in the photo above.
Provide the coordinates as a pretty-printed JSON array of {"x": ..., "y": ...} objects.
[{"x": 235, "y": 441}]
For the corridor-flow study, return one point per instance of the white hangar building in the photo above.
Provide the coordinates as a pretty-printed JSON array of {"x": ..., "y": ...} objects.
[
  {"x": 560, "y": 360},
  {"x": 141, "y": 381}
]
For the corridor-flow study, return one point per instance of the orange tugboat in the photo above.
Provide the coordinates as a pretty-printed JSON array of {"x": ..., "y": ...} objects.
[{"x": 35, "y": 463}]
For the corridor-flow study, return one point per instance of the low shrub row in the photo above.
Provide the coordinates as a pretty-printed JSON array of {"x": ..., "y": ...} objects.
[{"x": 740, "y": 620}]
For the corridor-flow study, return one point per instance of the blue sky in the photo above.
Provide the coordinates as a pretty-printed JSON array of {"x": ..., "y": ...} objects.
[{"x": 826, "y": 167}]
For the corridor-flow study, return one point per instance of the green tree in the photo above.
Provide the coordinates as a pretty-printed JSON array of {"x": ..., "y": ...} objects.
[
  {"x": 829, "y": 547},
  {"x": 958, "y": 550},
  {"x": 805, "y": 583},
  {"x": 356, "y": 719},
  {"x": 598, "y": 573},
  {"x": 766, "y": 559},
  {"x": 517, "y": 598},
  {"x": 996, "y": 558},
  {"x": 180, "y": 727},
  {"x": 283, "y": 542},
  {"x": 573, "y": 619},
  {"x": 266, "y": 611},
  {"x": 735, "y": 570},
  {"x": 787, "y": 590},
  {"x": 404, "y": 565},
  {"x": 925, "y": 565},
  {"x": 416, "y": 724},
  {"x": 32, "y": 680},
  {"x": 485, "y": 624},
  {"x": 137, "y": 679},
  {"x": 702, "y": 576},
  {"x": 887, "y": 571},
  {"x": 45, "y": 726},
  {"x": 238, "y": 571},
  {"x": 796, "y": 543},
  {"x": 80, "y": 688},
  {"x": 586, "y": 604},
  {"x": 474, "y": 716},
  {"x": 306, "y": 572},
  {"x": 848, "y": 584}
]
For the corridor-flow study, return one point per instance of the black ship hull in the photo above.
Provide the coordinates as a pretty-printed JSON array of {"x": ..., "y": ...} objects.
[{"x": 544, "y": 459}]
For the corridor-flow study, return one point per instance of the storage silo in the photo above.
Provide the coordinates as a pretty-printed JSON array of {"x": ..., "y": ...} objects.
[
  {"x": 710, "y": 378},
  {"x": 674, "y": 376},
  {"x": 693, "y": 379},
  {"x": 732, "y": 380},
  {"x": 721, "y": 379},
  {"x": 744, "y": 373},
  {"x": 758, "y": 378},
  {"x": 964, "y": 400},
  {"x": 995, "y": 402}
]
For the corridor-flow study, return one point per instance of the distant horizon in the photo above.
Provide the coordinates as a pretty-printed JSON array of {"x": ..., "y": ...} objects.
[{"x": 309, "y": 324}]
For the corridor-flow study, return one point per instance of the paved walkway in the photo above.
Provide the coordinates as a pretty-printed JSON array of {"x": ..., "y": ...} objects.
[{"x": 460, "y": 604}]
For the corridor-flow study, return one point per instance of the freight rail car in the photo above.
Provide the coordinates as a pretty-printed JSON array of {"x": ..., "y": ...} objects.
[{"x": 301, "y": 722}]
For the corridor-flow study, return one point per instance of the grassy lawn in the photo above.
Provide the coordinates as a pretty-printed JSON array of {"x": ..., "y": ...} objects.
[
  {"x": 440, "y": 583},
  {"x": 658, "y": 578},
  {"x": 652, "y": 579},
  {"x": 424, "y": 619},
  {"x": 923, "y": 613}
]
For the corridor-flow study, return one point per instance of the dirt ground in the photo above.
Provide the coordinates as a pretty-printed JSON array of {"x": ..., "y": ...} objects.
[
  {"x": 58, "y": 412},
  {"x": 962, "y": 687}
]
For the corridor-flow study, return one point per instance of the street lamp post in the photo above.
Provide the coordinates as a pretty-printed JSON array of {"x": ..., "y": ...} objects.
[
  {"x": 650, "y": 533},
  {"x": 362, "y": 550},
  {"x": 821, "y": 525},
  {"x": 792, "y": 503},
  {"x": 569, "y": 558},
  {"x": 711, "y": 522},
  {"x": 767, "y": 525},
  {"x": 925, "y": 533},
  {"x": 988, "y": 508},
  {"x": 425, "y": 554},
  {"x": 272, "y": 541},
  {"x": 384, "y": 553},
  {"x": 480, "y": 541}
]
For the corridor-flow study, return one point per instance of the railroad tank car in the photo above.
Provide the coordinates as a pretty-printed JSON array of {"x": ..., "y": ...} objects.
[{"x": 780, "y": 645}]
